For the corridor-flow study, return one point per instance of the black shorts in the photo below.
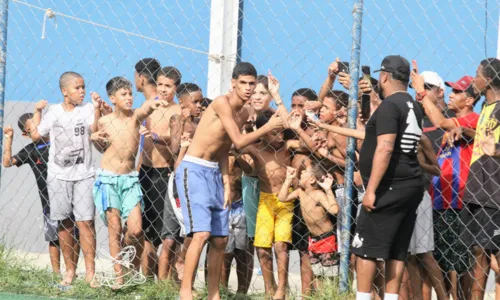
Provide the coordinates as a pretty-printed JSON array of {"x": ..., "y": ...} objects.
[
  {"x": 480, "y": 226},
  {"x": 385, "y": 233},
  {"x": 154, "y": 184}
]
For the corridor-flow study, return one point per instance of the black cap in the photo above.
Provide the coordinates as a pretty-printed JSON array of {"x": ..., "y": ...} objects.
[
  {"x": 149, "y": 66},
  {"x": 396, "y": 64}
]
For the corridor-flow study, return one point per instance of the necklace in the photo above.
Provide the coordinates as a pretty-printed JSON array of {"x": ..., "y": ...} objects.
[{"x": 405, "y": 92}]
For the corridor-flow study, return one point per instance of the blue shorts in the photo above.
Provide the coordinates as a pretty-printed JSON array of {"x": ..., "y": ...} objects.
[{"x": 201, "y": 193}]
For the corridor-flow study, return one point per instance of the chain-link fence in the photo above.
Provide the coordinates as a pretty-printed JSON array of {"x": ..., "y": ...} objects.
[{"x": 277, "y": 243}]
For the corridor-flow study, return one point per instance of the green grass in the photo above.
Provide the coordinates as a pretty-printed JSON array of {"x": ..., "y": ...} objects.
[{"x": 19, "y": 277}]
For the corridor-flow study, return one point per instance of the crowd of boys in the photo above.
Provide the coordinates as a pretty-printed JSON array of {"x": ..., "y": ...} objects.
[{"x": 244, "y": 175}]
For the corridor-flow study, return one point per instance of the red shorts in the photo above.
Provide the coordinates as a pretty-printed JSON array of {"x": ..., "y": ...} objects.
[
  {"x": 325, "y": 243},
  {"x": 323, "y": 249}
]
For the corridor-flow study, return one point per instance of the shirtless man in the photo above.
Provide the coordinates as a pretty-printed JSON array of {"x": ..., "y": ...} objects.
[
  {"x": 157, "y": 163},
  {"x": 117, "y": 193},
  {"x": 202, "y": 177}
]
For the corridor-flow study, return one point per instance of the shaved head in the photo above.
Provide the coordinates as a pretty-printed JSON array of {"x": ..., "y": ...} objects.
[{"x": 67, "y": 77}]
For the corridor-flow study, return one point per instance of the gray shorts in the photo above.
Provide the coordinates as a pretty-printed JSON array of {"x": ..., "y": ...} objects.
[
  {"x": 238, "y": 238},
  {"x": 71, "y": 197},
  {"x": 50, "y": 229}
]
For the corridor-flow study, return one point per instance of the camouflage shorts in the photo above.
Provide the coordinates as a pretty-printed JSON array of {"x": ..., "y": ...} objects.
[{"x": 450, "y": 252}]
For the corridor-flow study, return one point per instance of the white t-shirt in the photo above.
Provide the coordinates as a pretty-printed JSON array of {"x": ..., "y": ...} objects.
[{"x": 70, "y": 154}]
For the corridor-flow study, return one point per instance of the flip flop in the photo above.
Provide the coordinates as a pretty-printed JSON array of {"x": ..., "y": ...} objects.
[{"x": 64, "y": 288}]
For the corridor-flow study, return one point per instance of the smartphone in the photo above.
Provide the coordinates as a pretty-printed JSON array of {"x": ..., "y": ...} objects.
[
  {"x": 344, "y": 67},
  {"x": 365, "y": 99},
  {"x": 311, "y": 115}
]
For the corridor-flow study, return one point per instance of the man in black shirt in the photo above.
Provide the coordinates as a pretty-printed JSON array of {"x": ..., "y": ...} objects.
[
  {"x": 36, "y": 155},
  {"x": 393, "y": 180}
]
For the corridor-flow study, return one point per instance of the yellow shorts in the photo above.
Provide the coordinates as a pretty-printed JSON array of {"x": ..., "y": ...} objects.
[{"x": 274, "y": 221}]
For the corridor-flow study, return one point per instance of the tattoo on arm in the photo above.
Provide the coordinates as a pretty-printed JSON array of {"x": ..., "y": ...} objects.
[{"x": 389, "y": 144}]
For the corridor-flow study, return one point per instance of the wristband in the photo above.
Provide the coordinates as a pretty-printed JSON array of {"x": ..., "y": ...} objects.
[
  {"x": 155, "y": 137},
  {"x": 421, "y": 95}
]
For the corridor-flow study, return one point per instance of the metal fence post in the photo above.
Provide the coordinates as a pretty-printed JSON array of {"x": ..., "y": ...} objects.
[
  {"x": 4, "y": 10},
  {"x": 351, "y": 146}
]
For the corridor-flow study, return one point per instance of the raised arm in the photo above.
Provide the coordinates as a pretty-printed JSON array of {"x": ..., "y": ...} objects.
[
  {"x": 148, "y": 108},
  {"x": 224, "y": 112},
  {"x": 348, "y": 132},
  {"x": 284, "y": 195},
  {"x": 294, "y": 122},
  {"x": 8, "y": 160},
  {"x": 328, "y": 200},
  {"x": 431, "y": 109},
  {"x": 176, "y": 131},
  {"x": 97, "y": 103},
  {"x": 327, "y": 85}
]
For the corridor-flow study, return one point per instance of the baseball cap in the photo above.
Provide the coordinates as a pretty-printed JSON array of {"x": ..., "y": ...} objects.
[
  {"x": 464, "y": 84},
  {"x": 149, "y": 66},
  {"x": 396, "y": 64}
]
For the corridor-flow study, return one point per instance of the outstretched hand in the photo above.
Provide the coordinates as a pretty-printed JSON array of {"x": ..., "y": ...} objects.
[
  {"x": 417, "y": 81},
  {"x": 327, "y": 182},
  {"x": 274, "y": 85},
  {"x": 100, "y": 136}
]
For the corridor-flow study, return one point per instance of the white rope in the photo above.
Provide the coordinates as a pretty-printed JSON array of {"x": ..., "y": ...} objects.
[
  {"x": 109, "y": 28},
  {"x": 49, "y": 13},
  {"x": 124, "y": 258}
]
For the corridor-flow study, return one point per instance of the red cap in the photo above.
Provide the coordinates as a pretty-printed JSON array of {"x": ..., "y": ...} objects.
[{"x": 463, "y": 84}]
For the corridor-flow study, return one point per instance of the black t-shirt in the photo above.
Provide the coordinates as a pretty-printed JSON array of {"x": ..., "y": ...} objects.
[
  {"x": 37, "y": 156},
  {"x": 398, "y": 114}
]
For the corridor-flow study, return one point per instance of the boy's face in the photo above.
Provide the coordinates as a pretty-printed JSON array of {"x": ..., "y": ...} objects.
[
  {"x": 192, "y": 101},
  {"x": 298, "y": 103},
  {"x": 29, "y": 127},
  {"x": 74, "y": 90},
  {"x": 138, "y": 82},
  {"x": 459, "y": 100},
  {"x": 122, "y": 99},
  {"x": 165, "y": 88},
  {"x": 306, "y": 177},
  {"x": 274, "y": 138},
  {"x": 244, "y": 86},
  {"x": 261, "y": 98},
  {"x": 328, "y": 111}
]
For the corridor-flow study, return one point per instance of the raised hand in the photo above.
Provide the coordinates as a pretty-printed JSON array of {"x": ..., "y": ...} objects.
[
  {"x": 323, "y": 151},
  {"x": 313, "y": 105},
  {"x": 274, "y": 85},
  {"x": 185, "y": 114},
  {"x": 100, "y": 136},
  {"x": 291, "y": 173},
  {"x": 333, "y": 69},
  {"x": 8, "y": 132},
  {"x": 185, "y": 139},
  {"x": 96, "y": 100},
  {"x": 156, "y": 104},
  {"x": 40, "y": 105},
  {"x": 277, "y": 121},
  {"x": 365, "y": 86},
  {"x": 144, "y": 132},
  {"x": 327, "y": 182},
  {"x": 294, "y": 121},
  {"x": 345, "y": 80},
  {"x": 417, "y": 81},
  {"x": 105, "y": 108}
]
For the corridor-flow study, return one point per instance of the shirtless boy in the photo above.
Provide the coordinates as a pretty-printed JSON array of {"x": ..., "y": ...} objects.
[
  {"x": 117, "y": 193},
  {"x": 316, "y": 202},
  {"x": 202, "y": 177},
  {"x": 157, "y": 162}
]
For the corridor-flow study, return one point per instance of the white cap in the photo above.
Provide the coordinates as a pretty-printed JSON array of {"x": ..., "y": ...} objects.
[{"x": 433, "y": 78}]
